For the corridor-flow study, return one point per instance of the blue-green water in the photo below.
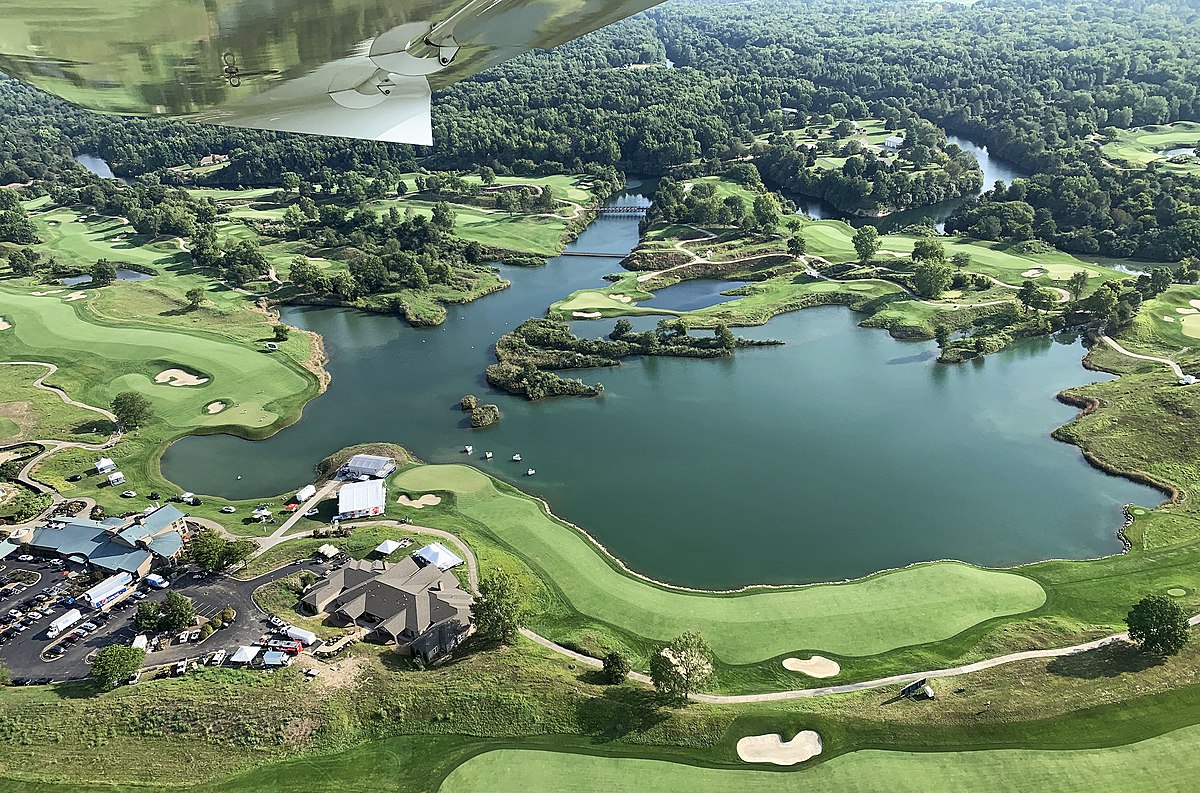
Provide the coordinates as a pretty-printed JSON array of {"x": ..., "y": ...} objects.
[{"x": 840, "y": 453}]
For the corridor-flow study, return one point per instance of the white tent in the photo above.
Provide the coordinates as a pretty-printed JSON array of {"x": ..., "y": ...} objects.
[
  {"x": 244, "y": 655},
  {"x": 361, "y": 499},
  {"x": 328, "y": 551},
  {"x": 437, "y": 554},
  {"x": 104, "y": 465},
  {"x": 116, "y": 478},
  {"x": 307, "y": 492},
  {"x": 387, "y": 547}
]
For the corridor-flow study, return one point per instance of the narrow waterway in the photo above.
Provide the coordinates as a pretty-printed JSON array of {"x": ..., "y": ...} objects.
[{"x": 840, "y": 453}]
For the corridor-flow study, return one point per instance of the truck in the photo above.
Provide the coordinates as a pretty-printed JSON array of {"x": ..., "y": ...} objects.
[
  {"x": 63, "y": 622},
  {"x": 300, "y": 635}
]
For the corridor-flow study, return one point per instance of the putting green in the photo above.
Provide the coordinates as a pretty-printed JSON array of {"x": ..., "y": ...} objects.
[
  {"x": 1148, "y": 765},
  {"x": 884, "y": 612},
  {"x": 1140, "y": 147},
  {"x": 99, "y": 361}
]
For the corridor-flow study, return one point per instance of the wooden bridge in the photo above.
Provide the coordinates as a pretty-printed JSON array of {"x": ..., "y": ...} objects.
[{"x": 619, "y": 210}]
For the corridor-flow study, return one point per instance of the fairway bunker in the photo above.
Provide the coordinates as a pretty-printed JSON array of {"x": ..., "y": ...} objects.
[
  {"x": 4, "y": 324},
  {"x": 178, "y": 377},
  {"x": 586, "y": 314},
  {"x": 621, "y": 298},
  {"x": 214, "y": 407},
  {"x": 420, "y": 502},
  {"x": 772, "y": 748},
  {"x": 817, "y": 666},
  {"x": 51, "y": 292},
  {"x": 1035, "y": 272},
  {"x": 75, "y": 296}
]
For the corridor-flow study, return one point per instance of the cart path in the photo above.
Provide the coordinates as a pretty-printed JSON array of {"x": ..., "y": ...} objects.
[
  {"x": 40, "y": 383},
  {"x": 1167, "y": 361}
]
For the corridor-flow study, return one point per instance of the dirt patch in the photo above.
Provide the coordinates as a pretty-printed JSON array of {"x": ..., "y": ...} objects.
[
  {"x": 75, "y": 296},
  {"x": 817, "y": 666},
  {"x": 340, "y": 674},
  {"x": 214, "y": 407},
  {"x": 178, "y": 377},
  {"x": 576, "y": 314},
  {"x": 427, "y": 500},
  {"x": 773, "y": 749}
]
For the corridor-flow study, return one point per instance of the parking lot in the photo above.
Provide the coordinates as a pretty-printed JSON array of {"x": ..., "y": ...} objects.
[{"x": 22, "y": 650}]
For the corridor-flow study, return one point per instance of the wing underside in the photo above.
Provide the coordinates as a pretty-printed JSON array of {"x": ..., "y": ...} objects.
[{"x": 351, "y": 68}]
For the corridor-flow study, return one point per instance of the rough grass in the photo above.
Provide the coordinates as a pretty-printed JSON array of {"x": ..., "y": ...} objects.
[{"x": 30, "y": 413}]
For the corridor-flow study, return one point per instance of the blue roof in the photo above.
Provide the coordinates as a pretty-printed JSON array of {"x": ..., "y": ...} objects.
[
  {"x": 167, "y": 545},
  {"x": 79, "y": 539},
  {"x": 7, "y": 547},
  {"x": 161, "y": 518}
]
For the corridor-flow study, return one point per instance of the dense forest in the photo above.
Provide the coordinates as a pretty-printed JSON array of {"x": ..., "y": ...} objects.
[{"x": 1038, "y": 81}]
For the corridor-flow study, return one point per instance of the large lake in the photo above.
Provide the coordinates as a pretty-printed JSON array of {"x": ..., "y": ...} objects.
[{"x": 840, "y": 453}]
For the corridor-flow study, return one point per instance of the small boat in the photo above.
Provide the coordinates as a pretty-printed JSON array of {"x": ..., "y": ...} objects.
[
  {"x": 516, "y": 458},
  {"x": 530, "y": 472},
  {"x": 487, "y": 455},
  {"x": 468, "y": 449}
]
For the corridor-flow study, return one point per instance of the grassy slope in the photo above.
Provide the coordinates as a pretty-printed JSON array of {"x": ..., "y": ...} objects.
[
  {"x": 912, "y": 606},
  {"x": 39, "y": 415}
]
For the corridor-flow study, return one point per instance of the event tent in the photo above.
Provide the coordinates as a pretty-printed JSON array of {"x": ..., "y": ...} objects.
[{"x": 438, "y": 555}]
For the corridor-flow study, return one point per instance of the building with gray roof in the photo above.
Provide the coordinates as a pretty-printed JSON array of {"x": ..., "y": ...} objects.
[
  {"x": 131, "y": 546},
  {"x": 422, "y": 609}
]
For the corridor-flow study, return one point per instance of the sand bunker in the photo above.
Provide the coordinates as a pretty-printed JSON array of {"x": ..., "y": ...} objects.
[
  {"x": 586, "y": 314},
  {"x": 817, "y": 666},
  {"x": 621, "y": 298},
  {"x": 4, "y": 324},
  {"x": 1194, "y": 304},
  {"x": 75, "y": 296},
  {"x": 773, "y": 749},
  {"x": 1033, "y": 273},
  {"x": 427, "y": 500},
  {"x": 1188, "y": 310},
  {"x": 51, "y": 292},
  {"x": 1168, "y": 319},
  {"x": 179, "y": 377},
  {"x": 214, "y": 407},
  {"x": 1176, "y": 592}
]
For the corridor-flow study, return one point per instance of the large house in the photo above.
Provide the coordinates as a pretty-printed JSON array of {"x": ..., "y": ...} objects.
[
  {"x": 116, "y": 545},
  {"x": 422, "y": 609}
]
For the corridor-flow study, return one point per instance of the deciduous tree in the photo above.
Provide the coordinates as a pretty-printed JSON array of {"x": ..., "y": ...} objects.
[
  {"x": 1158, "y": 624},
  {"x": 115, "y": 663},
  {"x": 499, "y": 608},
  {"x": 132, "y": 409}
]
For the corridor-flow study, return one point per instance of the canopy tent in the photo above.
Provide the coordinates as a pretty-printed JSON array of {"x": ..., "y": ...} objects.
[
  {"x": 360, "y": 499},
  {"x": 387, "y": 547},
  {"x": 244, "y": 655},
  {"x": 438, "y": 555},
  {"x": 328, "y": 551}
]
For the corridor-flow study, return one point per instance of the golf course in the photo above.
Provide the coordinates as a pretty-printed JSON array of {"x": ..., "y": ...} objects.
[{"x": 1171, "y": 147}]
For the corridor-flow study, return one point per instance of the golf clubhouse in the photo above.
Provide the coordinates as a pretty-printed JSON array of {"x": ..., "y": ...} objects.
[
  {"x": 116, "y": 545},
  {"x": 419, "y": 607}
]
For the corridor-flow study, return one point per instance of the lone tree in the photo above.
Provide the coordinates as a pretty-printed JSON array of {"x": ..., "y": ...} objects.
[
  {"x": 929, "y": 250},
  {"x": 103, "y": 273},
  {"x": 211, "y": 551},
  {"x": 131, "y": 408},
  {"x": 195, "y": 297},
  {"x": 682, "y": 667},
  {"x": 1077, "y": 283},
  {"x": 115, "y": 663},
  {"x": 281, "y": 331},
  {"x": 616, "y": 668},
  {"x": 178, "y": 612},
  {"x": 498, "y": 609},
  {"x": 961, "y": 260},
  {"x": 866, "y": 243},
  {"x": 148, "y": 616},
  {"x": 796, "y": 246},
  {"x": 1158, "y": 624}
]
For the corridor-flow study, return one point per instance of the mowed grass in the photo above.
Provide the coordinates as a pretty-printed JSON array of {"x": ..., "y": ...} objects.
[
  {"x": 81, "y": 243},
  {"x": 1163, "y": 763},
  {"x": 519, "y": 232},
  {"x": 887, "y": 611},
  {"x": 1140, "y": 147},
  {"x": 832, "y": 240}
]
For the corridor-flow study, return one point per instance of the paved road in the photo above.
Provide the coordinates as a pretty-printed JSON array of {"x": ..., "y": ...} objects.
[{"x": 1167, "y": 361}]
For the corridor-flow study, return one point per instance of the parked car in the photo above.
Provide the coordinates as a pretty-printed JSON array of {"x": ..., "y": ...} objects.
[
  {"x": 129, "y": 494},
  {"x": 154, "y": 496},
  {"x": 311, "y": 512},
  {"x": 278, "y": 623},
  {"x": 75, "y": 477},
  {"x": 289, "y": 646},
  {"x": 89, "y": 626},
  {"x": 24, "y": 558},
  {"x": 133, "y": 679},
  {"x": 229, "y": 510},
  {"x": 181, "y": 667}
]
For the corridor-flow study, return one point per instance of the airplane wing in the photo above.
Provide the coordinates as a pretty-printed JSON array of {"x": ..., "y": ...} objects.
[{"x": 350, "y": 68}]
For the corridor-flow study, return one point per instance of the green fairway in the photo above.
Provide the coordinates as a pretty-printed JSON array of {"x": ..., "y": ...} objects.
[
  {"x": 1158, "y": 764},
  {"x": 884, "y": 612},
  {"x": 81, "y": 243},
  {"x": 520, "y": 232},
  {"x": 1141, "y": 147}
]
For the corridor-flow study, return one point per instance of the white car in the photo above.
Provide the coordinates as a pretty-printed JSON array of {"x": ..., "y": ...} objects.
[
  {"x": 311, "y": 512},
  {"x": 229, "y": 510},
  {"x": 129, "y": 494},
  {"x": 25, "y": 558}
]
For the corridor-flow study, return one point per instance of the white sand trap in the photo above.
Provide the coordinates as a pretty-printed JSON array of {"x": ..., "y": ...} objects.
[
  {"x": 1194, "y": 304},
  {"x": 817, "y": 666},
  {"x": 1033, "y": 273},
  {"x": 4, "y": 324},
  {"x": 773, "y": 749},
  {"x": 75, "y": 296},
  {"x": 1168, "y": 319},
  {"x": 427, "y": 500},
  {"x": 51, "y": 292},
  {"x": 1176, "y": 592},
  {"x": 1188, "y": 310},
  {"x": 621, "y": 298},
  {"x": 214, "y": 407},
  {"x": 178, "y": 377},
  {"x": 586, "y": 314}
]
